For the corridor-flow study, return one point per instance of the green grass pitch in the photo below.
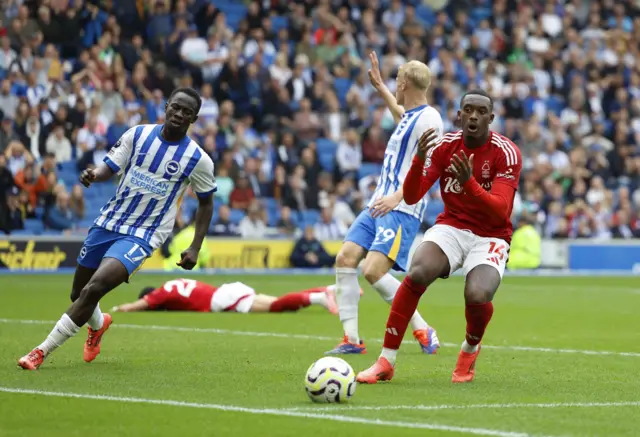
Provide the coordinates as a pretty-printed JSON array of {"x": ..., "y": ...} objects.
[{"x": 561, "y": 360}]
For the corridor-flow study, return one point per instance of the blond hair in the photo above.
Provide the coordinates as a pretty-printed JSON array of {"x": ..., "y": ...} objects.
[{"x": 418, "y": 74}]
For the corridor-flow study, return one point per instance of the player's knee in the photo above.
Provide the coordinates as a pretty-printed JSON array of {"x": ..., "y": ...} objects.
[
  {"x": 346, "y": 260},
  {"x": 422, "y": 273},
  {"x": 373, "y": 272},
  {"x": 93, "y": 292},
  {"x": 477, "y": 292}
]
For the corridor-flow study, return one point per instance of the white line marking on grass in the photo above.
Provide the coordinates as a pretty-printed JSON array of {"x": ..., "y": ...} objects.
[
  {"x": 273, "y": 412},
  {"x": 325, "y": 338},
  {"x": 472, "y": 406}
]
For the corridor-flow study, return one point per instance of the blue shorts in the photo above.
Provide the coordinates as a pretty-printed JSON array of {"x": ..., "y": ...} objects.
[
  {"x": 101, "y": 243},
  {"x": 391, "y": 235}
]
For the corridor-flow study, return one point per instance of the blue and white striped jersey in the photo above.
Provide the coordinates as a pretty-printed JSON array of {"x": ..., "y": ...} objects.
[
  {"x": 154, "y": 176},
  {"x": 401, "y": 149}
]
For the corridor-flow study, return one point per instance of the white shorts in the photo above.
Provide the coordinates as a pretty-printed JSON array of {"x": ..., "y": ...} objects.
[
  {"x": 236, "y": 297},
  {"x": 466, "y": 250}
]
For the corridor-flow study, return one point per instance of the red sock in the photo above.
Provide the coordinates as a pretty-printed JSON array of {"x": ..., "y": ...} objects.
[
  {"x": 290, "y": 302},
  {"x": 478, "y": 317},
  {"x": 404, "y": 305}
]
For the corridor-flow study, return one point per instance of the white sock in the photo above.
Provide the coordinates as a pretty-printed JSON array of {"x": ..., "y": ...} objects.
[
  {"x": 318, "y": 299},
  {"x": 387, "y": 287},
  {"x": 348, "y": 297},
  {"x": 64, "y": 330},
  {"x": 97, "y": 319},
  {"x": 390, "y": 355},
  {"x": 466, "y": 347}
]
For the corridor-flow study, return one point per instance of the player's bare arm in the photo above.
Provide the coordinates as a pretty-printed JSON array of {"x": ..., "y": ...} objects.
[
  {"x": 202, "y": 220},
  {"x": 101, "y": 173},
  {"x": 376, "y": 80},
  {"x": 138, "y": 305}
]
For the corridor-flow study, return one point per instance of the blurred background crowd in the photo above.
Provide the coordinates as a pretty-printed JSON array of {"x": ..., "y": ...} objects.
[{"x": 297, "y": 133}]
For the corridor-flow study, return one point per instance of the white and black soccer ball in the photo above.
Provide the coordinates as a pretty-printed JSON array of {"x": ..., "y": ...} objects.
[{"x": 330, "y": 380}]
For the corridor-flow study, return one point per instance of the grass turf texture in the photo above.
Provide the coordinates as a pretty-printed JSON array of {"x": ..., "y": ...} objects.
[{"x": 232, "y": 369}]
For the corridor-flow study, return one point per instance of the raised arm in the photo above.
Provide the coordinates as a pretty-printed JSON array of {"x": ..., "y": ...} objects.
[
  {"x": 376, "y": 80},
  {"x": 424, "y": 171}
]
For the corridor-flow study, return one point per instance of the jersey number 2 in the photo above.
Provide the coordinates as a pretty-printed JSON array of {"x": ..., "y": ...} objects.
[{"x": 183, "y": 287}]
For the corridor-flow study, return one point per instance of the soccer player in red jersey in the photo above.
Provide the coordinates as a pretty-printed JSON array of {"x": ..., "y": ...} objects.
[
  {"x": 191, "y": 295},
  {"x": 479, "y": 172}
]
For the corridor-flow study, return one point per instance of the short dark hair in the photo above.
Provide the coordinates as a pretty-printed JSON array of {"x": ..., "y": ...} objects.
[
  {"x": 145, "y": 291},
  {"x": 191, "y": 93},
  {"x": 477, "y": 92}
]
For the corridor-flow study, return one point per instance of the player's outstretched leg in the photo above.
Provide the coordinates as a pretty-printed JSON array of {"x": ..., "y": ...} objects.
[
  {"x": 348, "y": 297},
  {"x": 481, "y": 284},
  {"x": 302, "y": 299},
  {"x": 376, "y": 271},
  {"x": 429, "y": 263},
  {"x": 109, "y": 275}
]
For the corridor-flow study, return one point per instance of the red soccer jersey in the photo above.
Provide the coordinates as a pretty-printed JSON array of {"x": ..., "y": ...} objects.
[
  {"x": 182, "y": 295},
  {"x": 496, "y": 168}
]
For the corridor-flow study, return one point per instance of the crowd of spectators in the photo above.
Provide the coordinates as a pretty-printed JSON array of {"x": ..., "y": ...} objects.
[{"x": 282, "y": 81}]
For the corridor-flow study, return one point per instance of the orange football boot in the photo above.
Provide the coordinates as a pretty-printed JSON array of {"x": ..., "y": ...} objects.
[
  {"x": 92, "y": 345},
  {"x": 465, "y": 367},
  {"x": 32, "y": 360},
  {"x": 382, "y": 370}
]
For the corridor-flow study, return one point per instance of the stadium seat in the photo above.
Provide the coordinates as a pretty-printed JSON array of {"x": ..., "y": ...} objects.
[
  {"x": 425, "y": 13},
  {"x": 34, "y": 226},
  {"x": 236, "y": 215},
  {"x": 310, "y": 217},
  {"x": 369, "y": 168},
  {"x": 342, "y": 86},
  {"x": 279, "y": 22}
]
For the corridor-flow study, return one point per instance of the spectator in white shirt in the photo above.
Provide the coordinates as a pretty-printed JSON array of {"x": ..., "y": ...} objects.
[
  {"x": 209, "y": 110},
  {"x": 7, "y": 54},
  {"x": 217, "y": 55},
  {"x": 349, "y": 154},
  {"x": 256, "y": 43},
  {"x": 328, "y": 229},
  {"x": 86, "y": 138},
  {"x": 280, "y": 71},
  {"x": 556, "y": 158},
  {"x": 394, "y": 16},
  {"x": 253, "y": 225},
  {"x": 59, "y": 145}
]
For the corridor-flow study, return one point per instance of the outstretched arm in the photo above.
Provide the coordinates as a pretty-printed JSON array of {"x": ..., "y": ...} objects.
[
  {"x": 376, "y": 80},
  {"x": 138, "y": 305}
]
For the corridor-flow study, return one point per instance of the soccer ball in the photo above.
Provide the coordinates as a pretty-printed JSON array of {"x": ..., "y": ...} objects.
[{"x": 330, "y": 380}]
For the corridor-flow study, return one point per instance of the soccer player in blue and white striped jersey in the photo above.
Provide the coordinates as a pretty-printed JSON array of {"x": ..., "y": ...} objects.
[
  {"x": 384, "y": 232},
  {"x": 156, "y": 164}
]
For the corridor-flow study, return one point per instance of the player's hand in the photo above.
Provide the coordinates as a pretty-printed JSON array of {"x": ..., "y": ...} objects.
[
  {"x": 384, "y": 205},
  {"x": 462, "y": 167},
  {"x": 87, "y": 177},
  {"x": 374, "y": 73},
  {"x": 189, "y": 259},
  {"x": 427, "y": 141}
]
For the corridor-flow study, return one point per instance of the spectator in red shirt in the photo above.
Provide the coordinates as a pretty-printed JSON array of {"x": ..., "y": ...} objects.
[
  {"x": 242, "y": 194},
  {"x": 27, "y": 180}
]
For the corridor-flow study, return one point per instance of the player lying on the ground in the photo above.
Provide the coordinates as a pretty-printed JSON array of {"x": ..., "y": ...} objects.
[
  {"x": 384, "y": 232},
  {"x": 156, "y": 164},
  {"x": 479, "y": 172},
  {"x": 191, "y": 295}
]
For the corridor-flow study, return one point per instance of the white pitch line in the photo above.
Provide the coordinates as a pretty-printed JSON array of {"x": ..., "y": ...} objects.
[
  {"x": 325, "y": 338},
  {"x": 274, "y": 412},
  {"x": 472, "y": 406}
]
